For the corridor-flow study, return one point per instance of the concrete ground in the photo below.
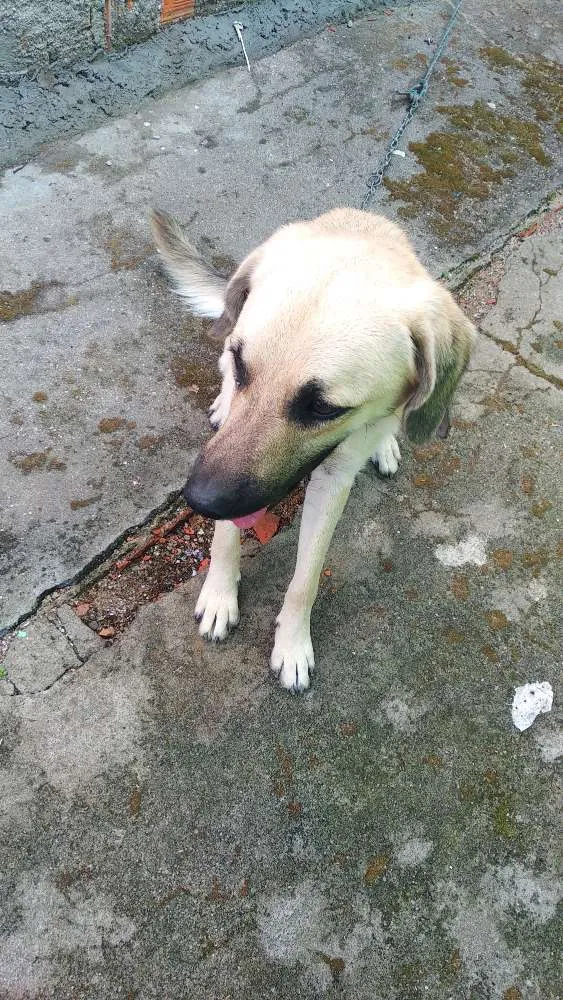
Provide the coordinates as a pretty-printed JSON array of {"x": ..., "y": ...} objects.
[{"x": 174, "y": 826}]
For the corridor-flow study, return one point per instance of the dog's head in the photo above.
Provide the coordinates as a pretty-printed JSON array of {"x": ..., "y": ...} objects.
[{"x": 329, "y": 326}]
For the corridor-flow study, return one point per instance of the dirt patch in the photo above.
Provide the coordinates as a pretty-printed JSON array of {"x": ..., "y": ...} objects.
[
  {"x": 109, "y": 425},
  {"x": 38, "y": 297},
  {"x": 201, "y": 379},
  {"x": 223, "y": 263},
  {"x": 37, "y": 461},
  {"x": 148, "y": 442},
  {"x": 85, "y": 502},
  {"x": 110, "y": 604},
  {"x": 453, "y": 73},
  {"x": 439, "y": 463},
  {"x": 127, "y": 250}
]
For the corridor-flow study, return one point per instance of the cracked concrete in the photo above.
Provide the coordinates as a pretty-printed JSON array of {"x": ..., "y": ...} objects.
[
  {"x": 38, "y": 657},
  {"x": 174, "y": 826},
  {"x": 536, "y": 341},
  {"x": 525, "y": 285},
  {"x": 41, "y": 654},
  {"x": 103, "y": 377}
]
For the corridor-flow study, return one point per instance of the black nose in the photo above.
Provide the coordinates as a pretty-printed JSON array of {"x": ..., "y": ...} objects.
[{"x": 222, "y": 500}]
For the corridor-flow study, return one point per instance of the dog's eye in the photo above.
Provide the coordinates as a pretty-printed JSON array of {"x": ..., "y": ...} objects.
[
  {"x": 241, "y": 370},
  {"x": 323, "y": 410},
  {"x": 309, "y": 405}
]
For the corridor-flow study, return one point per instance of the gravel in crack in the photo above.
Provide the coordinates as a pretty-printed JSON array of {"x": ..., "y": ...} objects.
[{"x": 167, "y": 558}]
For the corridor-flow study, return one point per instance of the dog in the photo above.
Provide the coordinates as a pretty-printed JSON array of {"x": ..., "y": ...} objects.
[{"x": 335, "y": 337}]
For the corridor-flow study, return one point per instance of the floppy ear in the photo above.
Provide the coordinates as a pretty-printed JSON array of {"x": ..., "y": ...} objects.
[
  {"x": 194, "y": 278},
  {"x": 442, "y": 341},
  {"x": 238, "y": 290}
]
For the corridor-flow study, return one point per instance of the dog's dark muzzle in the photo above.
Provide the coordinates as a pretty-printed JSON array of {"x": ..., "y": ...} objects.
[{"x": 223, "y": 499}]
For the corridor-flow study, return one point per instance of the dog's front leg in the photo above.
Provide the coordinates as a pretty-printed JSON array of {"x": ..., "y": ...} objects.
[
  {"x": 292, "y": 656},
  {"x": 217, "y": 606},
  {"x": 327, "y": 493}
]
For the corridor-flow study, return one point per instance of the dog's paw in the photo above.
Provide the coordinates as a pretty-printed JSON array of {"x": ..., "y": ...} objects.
[
  {"x": 219, "y": 409},
  {"x": 217, "y": 609},
  {"x": 292, "y": 657},
  {"x": 387, "y": 457}
]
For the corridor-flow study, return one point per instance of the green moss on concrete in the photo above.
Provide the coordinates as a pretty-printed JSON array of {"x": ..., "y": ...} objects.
[
  {"x": 542, "y": 80},
  {"x": 469, "y": 161}
]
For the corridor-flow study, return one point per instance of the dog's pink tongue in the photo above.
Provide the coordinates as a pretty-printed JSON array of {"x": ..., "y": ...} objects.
[{"x": 249, "y": 520}]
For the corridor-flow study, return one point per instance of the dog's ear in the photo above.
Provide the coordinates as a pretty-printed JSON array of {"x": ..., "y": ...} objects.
[
  {"x": 237, "y": 292},
  {"x": 442, "y": 340},
  {"x": 194, "y": 278}
]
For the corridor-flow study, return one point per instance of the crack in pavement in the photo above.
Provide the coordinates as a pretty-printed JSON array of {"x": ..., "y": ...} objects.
[
  {"x": 523, "y": 362},
  {"x": 456, "y": 280},
  {"x": 95, "y": 563},
  {"x": 33, "y": 694},
  {"x": 60, "y": 628}
]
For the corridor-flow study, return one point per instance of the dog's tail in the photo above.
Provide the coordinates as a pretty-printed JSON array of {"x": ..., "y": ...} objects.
[{"x": 193, "y": 277}]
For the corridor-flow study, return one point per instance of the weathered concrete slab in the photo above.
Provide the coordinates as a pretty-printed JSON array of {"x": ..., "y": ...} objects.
[
  {"x": 174, "y": 825},
  {"x": 538, "y": 335},
  {"x": 82, "y": 639},
  {"x": 388, "y": 836},
  {"x": 38, "y": 656},
  {"x": 104, "y": 379}
]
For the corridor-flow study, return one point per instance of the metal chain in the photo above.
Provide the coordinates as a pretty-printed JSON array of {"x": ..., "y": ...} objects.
[{"x": 415, "y": 95}]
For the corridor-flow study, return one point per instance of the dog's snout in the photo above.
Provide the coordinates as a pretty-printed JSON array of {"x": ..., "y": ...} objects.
[{"x": 223, "y": 500}]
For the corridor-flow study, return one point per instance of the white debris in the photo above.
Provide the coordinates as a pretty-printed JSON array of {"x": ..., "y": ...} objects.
[
  {"x": 469, "y": 550},
  {"x": 398, "y": 152},
  {"x": 491, "y": 104},
  {"x": 239, "y": 28},
  {"x": 530, "y": 700}
]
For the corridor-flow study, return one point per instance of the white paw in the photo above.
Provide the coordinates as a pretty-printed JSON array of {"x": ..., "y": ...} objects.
[
  {"x": 292, "y": 657},
  {"x": 219, "y": 409},
  {"x": 387, "y": 457},
  {"x": 217, "y": 608}
]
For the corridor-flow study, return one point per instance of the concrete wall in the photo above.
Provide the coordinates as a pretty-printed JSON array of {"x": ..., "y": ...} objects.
[
  {"x": 35, "y": 34},
  {"x": 38, "y": 35},
  {"x": 130, "y": 22}
]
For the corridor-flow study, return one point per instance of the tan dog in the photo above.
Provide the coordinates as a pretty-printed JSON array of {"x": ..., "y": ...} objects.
[{"x": 335, "y": 336}]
